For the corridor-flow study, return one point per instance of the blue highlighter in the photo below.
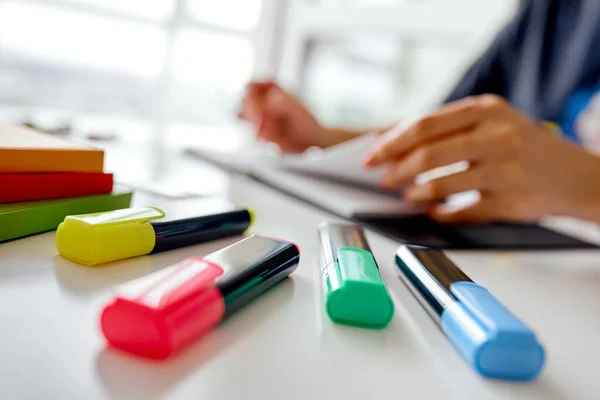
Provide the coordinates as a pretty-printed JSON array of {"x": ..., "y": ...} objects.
[{"x": 489, "y": 337}]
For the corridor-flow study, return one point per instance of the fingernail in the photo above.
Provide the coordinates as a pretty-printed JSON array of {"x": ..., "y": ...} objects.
[
  {"x": 370, "y": 160},
  {"x": 375, "y": 153}
]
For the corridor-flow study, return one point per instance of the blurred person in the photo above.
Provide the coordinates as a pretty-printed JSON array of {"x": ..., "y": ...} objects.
[{"x": 543, "y": 66}]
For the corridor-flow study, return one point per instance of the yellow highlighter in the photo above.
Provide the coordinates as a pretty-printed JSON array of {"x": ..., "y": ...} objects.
[{"x": 93, "y": 239}]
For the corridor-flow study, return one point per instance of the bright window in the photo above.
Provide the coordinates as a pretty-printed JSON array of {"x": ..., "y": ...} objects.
[
  {"x": 51, "y": 35},
  {"x": 155, "y": 10},
  {"x": 212, "y": 59},
  {"x": 129, "y": 59}
]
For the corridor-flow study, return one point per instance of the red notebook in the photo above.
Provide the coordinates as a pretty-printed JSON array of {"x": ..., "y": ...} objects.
[{"x": 53, "y": 185}]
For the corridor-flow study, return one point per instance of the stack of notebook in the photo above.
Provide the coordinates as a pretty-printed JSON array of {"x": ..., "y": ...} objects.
[{"x": 44, "y": 178}]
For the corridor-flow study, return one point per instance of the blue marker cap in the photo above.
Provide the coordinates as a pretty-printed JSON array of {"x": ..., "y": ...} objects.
[
  {"x": 490, "y": 338},
  {"x": 495, "y": 342}
]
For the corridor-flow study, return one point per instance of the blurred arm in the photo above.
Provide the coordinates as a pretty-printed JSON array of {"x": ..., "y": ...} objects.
[{"x": 490, "y": 73}]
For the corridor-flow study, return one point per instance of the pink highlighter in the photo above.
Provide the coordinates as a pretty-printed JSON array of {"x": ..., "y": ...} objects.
[{"x": 157, "y": 315}]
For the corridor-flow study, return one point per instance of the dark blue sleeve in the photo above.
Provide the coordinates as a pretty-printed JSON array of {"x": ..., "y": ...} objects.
[{"x": 491, "y": 71}]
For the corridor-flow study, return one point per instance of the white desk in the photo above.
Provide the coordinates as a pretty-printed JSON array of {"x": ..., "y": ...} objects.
[{"x": 282, "y": 346}]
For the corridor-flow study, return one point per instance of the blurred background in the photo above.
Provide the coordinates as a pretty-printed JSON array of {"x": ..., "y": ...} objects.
[{"x": 173, "y": 71}]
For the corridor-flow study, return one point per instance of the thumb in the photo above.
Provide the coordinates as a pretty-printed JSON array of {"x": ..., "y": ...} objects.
[
  {"x": 277, "y": 106},
  {"x": 254, "y": 99},
  {"x": 275, "y": 113}
]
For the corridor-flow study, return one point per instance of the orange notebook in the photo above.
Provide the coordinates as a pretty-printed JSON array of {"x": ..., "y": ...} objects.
[{"x": 26, "y": 150}]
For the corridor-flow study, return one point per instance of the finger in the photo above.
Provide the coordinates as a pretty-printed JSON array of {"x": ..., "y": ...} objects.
[
  {"x": 490, "y": 178},
  {"x": 458, "y": 116},
  {"x": 489, "y": 208},
  {"x": 463, "y": 147},
  {"x": 289, "y": 148},
  {"x": 430, "y": 156},
  {"x": 476, "y": 177},
  {"x": 268, "y": 129},
  {"x": 253, "y": 102},
  {"x": 275, "y": 107},
  {"x": 487, "y": 143},
  {"x": 259, "y": 87},
  {"x": 273, "y": 130}
]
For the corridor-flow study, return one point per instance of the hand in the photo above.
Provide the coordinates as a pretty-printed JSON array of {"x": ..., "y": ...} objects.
[
  {"x": 281, "y": 118},
  {"x": 520, "y": 168}
]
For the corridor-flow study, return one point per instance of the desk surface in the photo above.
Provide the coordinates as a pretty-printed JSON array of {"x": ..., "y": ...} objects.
[{"x": 282, "y": 346}]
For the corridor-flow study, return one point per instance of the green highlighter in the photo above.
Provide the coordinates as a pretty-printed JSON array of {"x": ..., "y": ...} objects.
[{"x": 355, "y": 293}]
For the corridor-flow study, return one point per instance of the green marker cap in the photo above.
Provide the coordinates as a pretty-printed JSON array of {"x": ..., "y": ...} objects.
[{"x": 355, "y": 293}]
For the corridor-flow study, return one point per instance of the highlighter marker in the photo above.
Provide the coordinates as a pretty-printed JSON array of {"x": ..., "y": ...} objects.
[
  {"x": 355, "y": 293},
  {"x": 93, "y": 239},
  {"x": 489, "y": 337},
  {"x": 159, "y": 314}
]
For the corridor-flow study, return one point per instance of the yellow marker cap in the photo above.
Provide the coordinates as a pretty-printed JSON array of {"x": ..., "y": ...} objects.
[{"x": 92, "y": 239}]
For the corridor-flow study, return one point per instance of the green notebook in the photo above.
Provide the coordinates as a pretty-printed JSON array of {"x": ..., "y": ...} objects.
[{"x": 22, "y": 219}]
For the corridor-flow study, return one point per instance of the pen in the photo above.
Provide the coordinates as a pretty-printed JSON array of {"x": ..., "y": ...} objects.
[
  {"x": 93, "y": 239},
  {"x": 355, "y": 293},
  {"x": 159, "y": 314},
  {"x": 489, "y": 337}
]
